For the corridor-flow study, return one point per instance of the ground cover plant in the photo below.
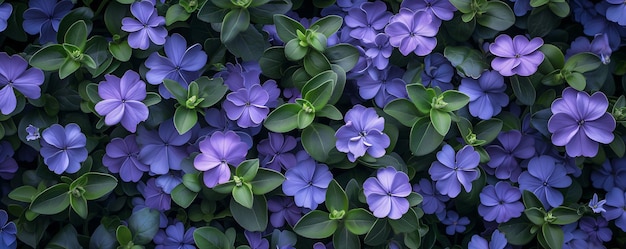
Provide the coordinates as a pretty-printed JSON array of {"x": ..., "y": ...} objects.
[{"x": 483, "y": 124}]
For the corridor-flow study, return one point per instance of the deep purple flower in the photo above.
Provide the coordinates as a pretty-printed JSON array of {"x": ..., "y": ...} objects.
[
  {"x": 121, "y": 100},
  {"x": 154, "y": 195},
  {"x": 595, "y": 205},
  {"x": 367, "y": 21},
  {"x": 598, "y": 24},
  {"x": 63, "y": 148},
  {"x": 433, "y": 202},
  {"x": 500, "y": 202},
  {"x": 609, "y": 175},
  {"x": 44, "y": 16},
  {"x": 516, "y": 56},
  {"x": 8, "y": 231},
  {"x": 247, "y": 106},
  {"x": 169, "y": 181},
  {"x": 579, "y": 122},
  {"x": 442, "y": 9},
  {"x": 182, "y": 64},
  {"x": 14, "y": 75},
  {"x": 237, "y": 76},
  {"x": 543, "y": 178},
  {"x": 487, "y": 96},
  {"x": 413, "y": 32},
  {"x": 511, "y": 147},
  {"x": 362, "y": 133},
  {"x": 616, "y": 207},
  {"x": 5, "y": 12},
  {"x": 175, "y": 237},
  {"x": 307, "y": 183},
  {"x": 255, "y": 240},
  {"x": 454, "y": 223},
  {"x": 218, "y": 151},
  {"x": 386, "y": 193},
  {"x": 438, "y": 72},
  {"x": 574, "y": 238},
  {"x": 615, "y": 12},
  {"x": 521, "y": 7},
  {"x": 33, "y": 133},
  {"x": 275, "y": 151},
  {"x": 145, "y": 27},
  {"x": 498, "y": 241},
  {"x": 382, "y": 85},
  {"x": 379, "y": 51},
  {"x": 599, "y": 46},
  {"x": 122, "y": 156},
  {"x": 283, "y": 209},
  {"x": 451, "y": 170},
  {"x": 8, "y": 165},
  {"x": 163, "y": 149},
  {"x": 596, "y": 228}
]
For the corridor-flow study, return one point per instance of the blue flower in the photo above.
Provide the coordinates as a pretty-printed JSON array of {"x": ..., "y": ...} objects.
[
  {"x": 543, "y": 178},
  {"x": 511, "y": 147},
  {"x": 433, "y": 202},
  {"x": 175, "y": 237},
  {"x": 256, "y": 241},
  {"x": 609, "y": 175},
  {"x": 615, "y": 12},
  {"x": 616, "y": 207},
  {"x": 500, "y": 202},
  {"x": 283, "y": 208},
  {"x": 453, "y": 170},
  {"x": 154, "y": 195},
  {"x": 487, "y": 96},
  {"x": 574, "y": 238},
  {"x": 122, "y": 156},
  {"x": 164, "y": 149},
  {"x": 33, "y": 133},
  {"x": 275, "y": 151},
  {"x": 437, "y": 72},
  {"x": 382, "y": 85},
  {"x": 362, "y": 133},
  {"x": 5, "y": 13},
  {"x": 498, "y": 241},
  {"x": 148, "y": 26},
  {"x": 8, "y": 165},
  {"x": 595, "y": 205},
  {"x": 597, "y": 229},
  {"x": 386, "y": 193},
  {"x": 307, "y": 183},
  {"x": 44, "y": 16},
  {"x": 63, "y": 149},
  {"x": 8, "y": 231},
  {"x": 454, "y": 223}
]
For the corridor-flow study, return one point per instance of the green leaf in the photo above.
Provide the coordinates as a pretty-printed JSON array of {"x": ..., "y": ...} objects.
[
  {"x": 343, "y": 238},
  {"x": 249, "y": 44},
  {"x": 359, "y": 221},
  {"x": 293, "y": 50},
  {"x": 535, "y": 215},
  {"x": 467, "y": 61},
  {"x": 318, "y": 140},
  {"x": 77, "y": 34},
  {"x": 66, "y": 237},
  {"x": 97, "y": 184},
  {"x": 176, "y": 13},
  {"x": 618, "y": 147},
  {"x": 320, "y": 95},
  {"x": 424, "y": 138},
  {"x": 537, "y": 3},
  {"x": 53, "y": 200},
  {"x": 283, "y": 119},
  {"x": 414, "y": 199},
  {"x": 182, "y": 196},
  {"x": 542, "y": 21},
  {"x": 210, "y": 13},
  {"x": 243, "y": 195},
  {"x": 565, "y": 215},
  {"x": 441, "y": 121},
  {"x": 263, "y": 14},
  {"x": 236, "y": 21},
  {"x": 286, "y": 27},
  {"x": 455, "y": 99},
  {"x": 316, "y": 225},
  {"x": 225, "y": 188},
  {"x": 582, "y": 63},
  {"x": 553, "y": 56},
  {"x": 523, "y": 89},
  {"x": 84, "y": 14},
  {"x": 305, "y": 119},
  {"x": 266, "y": 180},
  {"x": 210, "y": 238},
  {"x": 151, "y": 99},
  {"x": 23, "y": 193},
  {"x": 531, "y": 200},
  {"x": 344, "y": 55},
  {"x": 553, "y": 235},
  {"x": 378, "y": 234},
  {"x": 336, "y": 198},
  {"x": 330, "y": 112},
  {"x": 144, "y": 224},
  {"x": 318, "y": 80},
  {"x": 576, "y": 80},
  {"x": 517, "y": 231},
  {"x": 184, "y": 119},
  {"x": 79, "y": 205},
  {"x": 465, "y": 6},
  {"x": 247, "y": 169},
  {"x": 211, "y": 90},
  {"x": 488, "y": 130},
  {"x": 406, "y": 224},
  {"x": 560, "y": 9},
  {"x": 497, "y": 16},
  {"x": 420, "y": 97},
  {"x": 403, "y": 110},
  {"x": 123, "y": 235},
  {"x": 328, "y": 25},
  {"x": 49, "y": 58},
  {"x": 178, "y": 91},
  {"x": 254, "y": 219},
  {"x": 315, "y": 62},
  {"x": 273, "y": 62},
  {"x": 68, "y": 67}
]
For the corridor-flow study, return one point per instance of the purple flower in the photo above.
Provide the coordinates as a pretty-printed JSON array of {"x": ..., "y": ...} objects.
[
  {"x": 5, "y": 13},
  {"x": 521, "y": 7},
  {"x": 598, "y": 24},
  {"x": 597, "y": 229},
  {"x": 154, "y": 195},
  {"x": 122, "y": 156},
  {"x": 145, "y": 27},
  {"x": 8, "y": 165},
  {"x": 599, "y": 46},
  {"x": 63, "y": 148},
  {"x": 386, "y": 193},
  {"x": 33, "y": 133},
  {"x": 511, "y": 147},
  {"x": 217, "y": 152},
  {"x": 237, "y": 76},
  {"x": 616, "y": 207},
  {"x": 379, "y": 51},
  {"x": 274, "y": 151},
  {"x": 574, "y": 238},
  {"x": 14, "y": 75},
  {"x": 451, "y": 170},
  {"x": 307, "y": 183},
  {"x": 516, "y": 56},
  {"x": 615, "y": 12},
  {"x": 579, "y": 122},
  {"x": 44, "y": 16},
  {"x": 500, "y": 202},
  {"x": 487, "y": 96},
  {"x": 433, "y": 202},
  {"x": 8, "y": 231},
  {"x": 438, "y": 72},
  {"x": 247, "y": 106},
  {"x": 454, "y": 223},
  {"x": 498, "y": 241},
  {"x": 163, "y": 149},
  {"x": 121, "y": 100},
  {"x": 283, "y": 209},
  {"x": 175, "y": 237},
  {"x": 363, "y": 132},
  {"x": 182, "y": 64},
  {"x": 441, "y": 9},
  {"x": 255, "y": 240},
  {"x": 382, "y": 85},
  {"x": 595, "y": 205},
  {"x": 413, "y": 32},
  {"x": 543, "y": 178},
  {"x": 611, "y": 174},
  {"x": 367, "y": 21}
]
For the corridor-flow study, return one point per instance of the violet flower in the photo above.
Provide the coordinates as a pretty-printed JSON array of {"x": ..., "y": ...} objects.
[
  {"x": 175, "y": 237},
  {"x": 163, "y": 149},
  {"x": 579, "y": 122},
  {"x": 283, "y": 209},
  {"x": 44, "y": 16},
  {"x": 307, "y": 183},
  {"x": 255, "y": 240},
  {"x": 615, "y": 12},
  {"x": 413, "y": 32},
  {"x": 217, "y": 152},
  {"x": 154, "y": 195},
  {"x": 247, "y": 106},
  {"x": 182, "y": 64},
  {"x": 145, "y": 27},
  {"x": 500, "y": 202},
  {"x": 14, "y": 75},
  {"x": 274, "y": 151},
  {"x": 382, "y": 85},
  {"x": 367, "y": 21},
  {"x": 609, "y": 175},
  {"x": 8, "y": 165},
  {"x": 438, "y": 72},
  {"x": 597, "y": 230},
  {"x": 386, "y": 193},
  {"x": 511, "y": 147},
  {"x": 379, "y": 51},
  {"x": 599, "y": 46},
  {"x": 33, "y": 133},
  {"x": 616, "y": 207},
  {"x": 121, "y": 100},
  {"x": 442, "y": 9},
  {"x": 498, "y": 241},
  {"x": 517, "y": 55},
  {"x": 362, "y": 133},
  {"x": 122, "y": 156},
  {"x": 454, "y": 223},
  {"x": 595, "y": 205},
  {"x": 453, "y": 170},
  {"x": 433, "y": 202},
  {"x": 5, "y": 12},
  {"x": 8, "y": 231},
  {"x": 574, "y": 238},
  {"x": 487, "y": 96},
  {"x": 543, "y": 178},
  {"x": 63, "y": 148}
]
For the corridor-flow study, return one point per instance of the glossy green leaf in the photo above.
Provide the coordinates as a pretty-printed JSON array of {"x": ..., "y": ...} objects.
[
  {"x": 565, "y": 215},
  {"x": 151, "y": 99},
  {"x": 488, "y": 130},
  {"x": 343, "y": 238},
  {"x": 243, "y": 195},
  {"x": 53, "y": 200},
  {"x": 211, "y": 14},
  {"x": 560, "y": 9},
  {"x": 212, "y": 90},
  {"x": 184, "y": 119},
  {"x": 378, "y": 234},
  {"x": 330, "y": 112},
  {"x": 144, "y": 224},
  {"x": 316, "y": 225},
  {"x": 175, "y": 13},
  {"x": 273, "y": 62},
  {"x": 98, "y": 184},
  {"x": 576, "y": 80},
  {"x": 286, "y": 27},
  {"x": 315, "y": 62},
  {"x": 582, "y": 62},
  {"x": 441, "y": 121},
  {"x": 283, "y": 119},
  {"x": 467, "y": 61},
  {"x": 254, "y": 219},
  {"x": 77, "y": 34},
  {"x": 320, "y": 95},
  {"x": 293, "y": 50},
  {"x": 68, "y": 67},
  {"x": 523, "y": 90},
  {"x": 517, "y": 231},
  {"x": 79, "y": 205},
  {"x": 535, "y": 215},
  {"x": 263, "y": 14},
  {"x": 336, "y": 198},
  {"x": 497, "y": 16},
  {"x": 23, "y": 193},
  {"x": 403, "y": 110},
  {"x": 49, "y": 58},
  {"x": 537, "y": 3},
  {"x": 553, "y": 56},
  {"x": 248, "y": 44},
  {"x": 182, "y": 196},
  {"x": 359, "y": 221},
  {"x": 344, "y": 55},
  {"x": 318, "y": 80},
  {"x": 553, "y": 235},
  {"x": 266, "y": 180},
  {"x": 247, "y": 169},
  {"x": 424, "y": 138},
  {"x": 455, "y": 100},
  {"x": 420, "y": 97},
  {"x": 465, "y": 6},
  {"x": 210, "y": 238},
  {"x": 406, "y": 224},
  {"x": 123, "y": 235},
  {"x": 318, "y": 140},
  {"x": 531, "y": 200},
  {"x": 236, "y": 21},
  {"x": 305, "y": 119}
]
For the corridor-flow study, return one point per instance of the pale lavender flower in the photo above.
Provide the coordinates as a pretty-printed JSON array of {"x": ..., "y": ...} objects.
[
  {"x": 362, "y": 133},
  {"x": 516, "y": 55},
  {"x": 14, "y": 75},
  {"x": 164, "y": 149},
  {"x": 453, "y": 170},
  {"x": 595, "y": 205},
  {"x": 247, "y": 106},
  {"x": 217, "y": 152},
  {"x": 307, "y": 183},
  {"x": 413, "y": 32},
  {"x": 122, "y": 156},
  {"x": 121, "y": 100},
  {"x": 63, "y": 148},
  {"x": 441, "y": 9},
  {"x": 367, "y": 21},
  {"x": 500, "y": 202},
  {"x": 386, "y": 193},
  {"x": 33, "y": 133},
  {"x": 145, "y": 27}
]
